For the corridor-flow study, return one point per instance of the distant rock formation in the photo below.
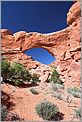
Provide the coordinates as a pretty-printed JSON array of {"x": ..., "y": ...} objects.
[{"x": 64, "y": 45}]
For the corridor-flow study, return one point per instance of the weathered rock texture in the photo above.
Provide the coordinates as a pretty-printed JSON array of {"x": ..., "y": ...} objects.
[{"x": 64, "y": 45}]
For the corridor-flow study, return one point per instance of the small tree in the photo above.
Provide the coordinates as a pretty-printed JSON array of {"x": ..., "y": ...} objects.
[
  {"x": 55, "y": 77},
  {"x": 46, "y": 110},
  {"x": 19, "y": 74},
  {"x": 5, "y": 72}
]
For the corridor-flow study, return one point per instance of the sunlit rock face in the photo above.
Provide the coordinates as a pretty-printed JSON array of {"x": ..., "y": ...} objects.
[{"x": 64, "y": 45}]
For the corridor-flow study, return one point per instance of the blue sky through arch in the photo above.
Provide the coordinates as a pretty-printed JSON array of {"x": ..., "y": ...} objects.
[{"x": 41, "y": 55}]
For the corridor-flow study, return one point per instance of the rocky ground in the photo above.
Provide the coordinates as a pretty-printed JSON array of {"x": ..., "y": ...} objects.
[{"x": 22, "y": 102}]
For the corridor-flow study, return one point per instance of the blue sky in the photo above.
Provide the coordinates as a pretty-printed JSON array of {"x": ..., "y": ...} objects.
[
  {"x": 35, "y": 16},
  {"x": 42, "y": 55}
]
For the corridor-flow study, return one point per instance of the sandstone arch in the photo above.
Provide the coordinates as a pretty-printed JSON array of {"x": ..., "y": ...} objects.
[{"x": 65, "y": 45}]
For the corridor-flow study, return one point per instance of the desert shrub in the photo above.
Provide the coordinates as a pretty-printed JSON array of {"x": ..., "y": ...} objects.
[
  {"x": 77, "y": 113},
  {"x": 3, "y": 112},
  {"x": 19, "y": 74},
  {"x": 46, "y": 110},
  {"x": 16, "y": 73},
  {"x": 57, "y": 95},
  {"x": 56, "y": 86},
  {"x": 14, "y": 117},
  {"x": 55, "y": 77},
  {"x": 17, "y": 82},
  {"x": 7, "y": 116},
  {"x": 76, "y": 92},
  {"x": 33, "y": 91},
  {"x": 5, "y": 72},
  {"x": 35, "y": 79}
]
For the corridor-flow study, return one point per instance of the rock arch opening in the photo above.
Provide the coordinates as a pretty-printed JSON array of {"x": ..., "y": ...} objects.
[{"x": 41, "y": 55}]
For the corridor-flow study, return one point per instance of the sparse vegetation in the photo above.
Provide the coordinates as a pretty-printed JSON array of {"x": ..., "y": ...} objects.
[
  {"x": 19, "y": 74},
  {"x": 46, "y": 110},
  {"x": 57, "y": 95},
  {"x": 14, "y": 117},
  {"x": 77, "y": 113},
  {"x": 7, "y": 116},
  {"x": 5, "y": 72},
  {"x": 55, "y": 77},
  {"x": 35, "y": 79},
  {"x": 56, "y": 86},
  {"x": 76, "y": 92},
  {"x": 34, "y": 91},
  {"x": 3, "y": 112}
]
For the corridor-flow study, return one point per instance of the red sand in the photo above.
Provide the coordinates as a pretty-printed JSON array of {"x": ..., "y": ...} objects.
[{"x": 24, "y": 103}]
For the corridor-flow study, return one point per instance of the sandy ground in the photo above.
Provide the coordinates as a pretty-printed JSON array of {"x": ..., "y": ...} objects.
[{"x": 23, "y": 102}]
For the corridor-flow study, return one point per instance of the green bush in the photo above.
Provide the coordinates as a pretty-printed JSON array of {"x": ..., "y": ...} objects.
[
  {"x": 55, "y": 77},
  {"x": 77, "y": 113},
  {"x": 76, "y": 92},
  {"x": 17, "y": 82},
  {"x": 35, "y": 79},
  {"x": 19, "y": 74},
  {"x": 5, "y": 72},
  {"x": 16, "y": 73},
  {"x": 46, "y": 110},
  {"x": 33, "y": 91},
  {"x": 3, "y": 112}
]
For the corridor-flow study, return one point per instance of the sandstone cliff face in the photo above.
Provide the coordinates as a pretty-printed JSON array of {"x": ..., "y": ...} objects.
[{"x": 64, "y": 45}]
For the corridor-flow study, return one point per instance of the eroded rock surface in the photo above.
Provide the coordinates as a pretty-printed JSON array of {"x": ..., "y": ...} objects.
[{"x": 64, "y": 45}]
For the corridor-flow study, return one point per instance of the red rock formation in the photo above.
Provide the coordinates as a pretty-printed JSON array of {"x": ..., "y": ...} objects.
[{"x": 65, "y": 45}]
